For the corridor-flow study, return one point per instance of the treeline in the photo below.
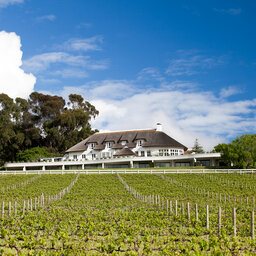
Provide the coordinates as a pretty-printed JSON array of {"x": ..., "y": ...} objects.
[{"x": 43, "y": 121}]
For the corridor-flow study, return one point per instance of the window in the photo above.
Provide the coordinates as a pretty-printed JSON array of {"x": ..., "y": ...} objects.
[
  {"x": 108, "y": 144},
  {"x": 92, "y": 145},
  {"x": 182, "y": 164},
  {"x": 75, "y": 157},
  {"x": 123, "y": 142},
  {"x": 139, "y": 143},
  {"x": 105, "y": 154},
  {"x": 204, "y": 162},
  {"x": 148, "y": 153},
  {"x": 83, "y": 156},
  {"x": 142, "y": 153},
  {"x": 166, "y": 152},
  {"x": 93, "y": 156}
]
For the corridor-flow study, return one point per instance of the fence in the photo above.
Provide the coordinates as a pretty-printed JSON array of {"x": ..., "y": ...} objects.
[{"x": 138, "y": 171}]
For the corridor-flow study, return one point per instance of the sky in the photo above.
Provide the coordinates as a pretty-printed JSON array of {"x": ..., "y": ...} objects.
[{"x": 190, "y": 65}]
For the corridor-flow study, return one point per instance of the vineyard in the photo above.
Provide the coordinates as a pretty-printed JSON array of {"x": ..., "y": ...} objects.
[{"x": 127, "y": 214}]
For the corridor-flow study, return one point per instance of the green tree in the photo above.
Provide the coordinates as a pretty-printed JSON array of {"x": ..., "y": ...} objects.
[
  {"x": 240, "y": 153},
  {"x": 197, "y": 148},
  {"x": 32, "y": 154},
  {"x": 10, "y": 137},
  {"x": 26, "y": 125},
  {"x": 70, "y": 126},
  {"x": 44, "y": 121}
]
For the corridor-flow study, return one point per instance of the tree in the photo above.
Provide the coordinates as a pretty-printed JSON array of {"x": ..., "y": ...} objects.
[
  {"x": 10, "y": 137},
  {"x": 45, "y": 107},
  {"x": 26, "y": 125},
  {"x": 240, "y": 153},
  {"x": 197, "y": 148},
  {"x": 70, "y": 126},
  {"x": 43, "y": 121},
  {"x": 32, "y": 154}
]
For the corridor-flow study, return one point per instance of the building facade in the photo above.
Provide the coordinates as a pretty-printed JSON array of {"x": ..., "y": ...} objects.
[
  {"x": 143, "y": 143},
  {"x": 124, "y": 149}
]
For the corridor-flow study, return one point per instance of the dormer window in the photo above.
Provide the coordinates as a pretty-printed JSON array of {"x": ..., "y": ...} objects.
[
  {"x": 92, "y": 145},
  {"x": 109, "y": 144},
  {"x": 123, "y": 142},
  {"x": 139, "y": 143}
]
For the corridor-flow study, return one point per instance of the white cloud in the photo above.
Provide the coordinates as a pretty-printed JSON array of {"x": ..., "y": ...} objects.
[
  {"x": 84, "y": 44},
  {"x": 70, "y": 72},
  {"x": 49, "y": 17},
  {"x": 191, "y": 64},
  {"x": 229, "y": 91},
  {"x": 42, "y": 62},
  {"x": 185, "y": 114},
  {"x": 4, "y": 3},
  {"x": 107, "y": 89},
  {"x": 13, "y": 80},
  {"x": 150, "y": 73}
]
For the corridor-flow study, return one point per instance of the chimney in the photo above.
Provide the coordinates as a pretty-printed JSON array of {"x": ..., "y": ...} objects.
[{"x": 159, "y": 127}]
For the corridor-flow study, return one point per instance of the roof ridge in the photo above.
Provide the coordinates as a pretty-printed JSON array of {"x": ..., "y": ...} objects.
[{"x": 142, "y": 130}]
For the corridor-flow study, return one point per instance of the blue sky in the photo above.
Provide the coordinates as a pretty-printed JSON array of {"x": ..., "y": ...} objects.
[{"x": 187, "y": 64}]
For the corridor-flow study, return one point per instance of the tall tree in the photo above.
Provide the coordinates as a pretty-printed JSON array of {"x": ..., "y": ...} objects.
[
  {"x": 197, "y": 148},
  {"x": 45, "y": 107},
  {"x": 10, "y": 137},
  {"x": 26, "y": 125},
  {"x": 72, "y": 125}
]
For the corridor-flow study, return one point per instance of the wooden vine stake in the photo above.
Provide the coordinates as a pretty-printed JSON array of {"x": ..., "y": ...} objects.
[
  {"x": 24, "y": 207},
  {"x": 196, "y": 212},
  {"x": 176, "y": 208},
  {"x": 10, "y": 208},
  {"x": 2, "y": 209},
  {"x": 207, "y": 217},
  {"x": 234, "y": 220},
  {"x": 188, "y": 209},
  {"x": 252, "y": 225},
  {"x": 15, "y": 209},
  {"x": 219, "y": 222}
]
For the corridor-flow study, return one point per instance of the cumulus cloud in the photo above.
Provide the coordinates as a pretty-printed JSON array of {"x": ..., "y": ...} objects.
[
  {"x": 4, "y": 3},
  {"x": 13, "y": 80},
  {"x": 186, "y": 114}
]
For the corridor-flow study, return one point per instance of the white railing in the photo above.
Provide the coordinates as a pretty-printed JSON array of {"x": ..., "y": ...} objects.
[{"x": 138, "y": 171}]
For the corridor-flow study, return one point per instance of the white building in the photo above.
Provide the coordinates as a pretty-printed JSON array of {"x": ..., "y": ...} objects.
[{"x": 123, "y": 149}]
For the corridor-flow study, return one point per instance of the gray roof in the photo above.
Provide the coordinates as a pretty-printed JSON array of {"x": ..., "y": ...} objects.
[
  {"x": 125, "y": 152},
  {"x": 152, "y": 138}
]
